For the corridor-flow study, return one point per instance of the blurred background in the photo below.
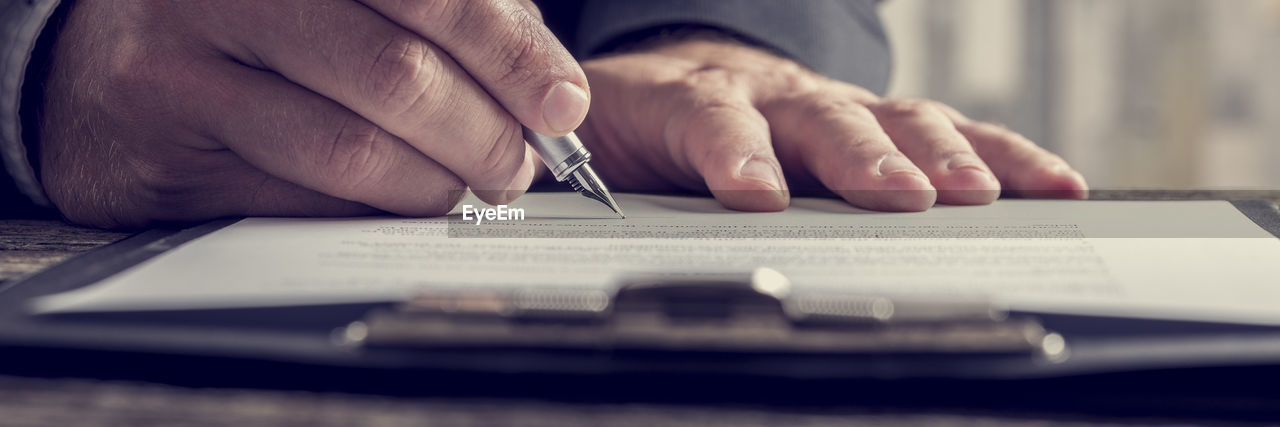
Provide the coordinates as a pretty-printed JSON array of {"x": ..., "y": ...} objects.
[{"x": 1134, "y": 93}]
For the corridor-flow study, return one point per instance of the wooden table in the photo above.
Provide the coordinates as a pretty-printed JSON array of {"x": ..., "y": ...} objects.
[
  {"x": 26, "y": 246},
  {"x": 29, "y": 245}
]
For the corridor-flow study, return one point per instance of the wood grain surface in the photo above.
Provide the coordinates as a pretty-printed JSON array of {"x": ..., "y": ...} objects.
[{"x": 27, "y": 246}]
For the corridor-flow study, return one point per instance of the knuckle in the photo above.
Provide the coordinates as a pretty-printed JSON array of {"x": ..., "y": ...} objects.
[
  {"x": 157, "y": 183},
  {"x": 713, "y": 99},
  {"x": 716, "y": 105},
  {"x": 792, "y": 77},
  {"x": 403, "y": 75},
  {"x": 356, "y": 158},
  {"x": 523, "y": 51},
  {"x": 431, "y": 11},
  {"x": 825, "y": 107},
  {"x": 910, "y": 108},
  {"x": 699, "y": 83},
  {"x": 680, "y": 87},
  {"x": 136, "y": 69},
  {"x": 521, "y": 58},
  {"x": 166, "y": 186},
  {"x": 715, "y": 77}
]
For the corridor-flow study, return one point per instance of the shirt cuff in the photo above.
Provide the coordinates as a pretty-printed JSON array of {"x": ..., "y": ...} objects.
[
  {"x": 20, "y": 25},
  {"x": 842, "y": 39}
]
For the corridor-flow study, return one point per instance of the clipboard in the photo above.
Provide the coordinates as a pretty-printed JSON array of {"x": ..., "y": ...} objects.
[{"x": 292, "y": 346}]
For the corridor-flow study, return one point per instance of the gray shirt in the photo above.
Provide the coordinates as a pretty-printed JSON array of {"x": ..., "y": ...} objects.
[{"x": 840, "y": 38}]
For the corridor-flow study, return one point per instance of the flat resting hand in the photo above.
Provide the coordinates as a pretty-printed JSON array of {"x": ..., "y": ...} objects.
[{"x": 749, "y": 125}]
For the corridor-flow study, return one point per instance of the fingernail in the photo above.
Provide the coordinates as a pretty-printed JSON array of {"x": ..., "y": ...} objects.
[
  {"x": 897, "y": 163},
  {"x": 565, "y": 107},
  {"x": 763, "y": 171},
  {"x": 970, "y": 162},
  {"x": 960, "y": 161}
]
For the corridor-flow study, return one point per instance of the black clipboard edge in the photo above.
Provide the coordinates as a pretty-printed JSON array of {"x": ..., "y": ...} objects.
[
  {"x": 1264, "y": 213},
  {"x": 92, "y": 266}
]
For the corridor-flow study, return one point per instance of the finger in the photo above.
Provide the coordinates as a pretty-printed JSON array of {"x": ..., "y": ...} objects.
[
  {"x": 840, "y": 143},
  {"x": 509, "y": 51},
  {"x": 397, "y": 80},
  {"x": 1026, "y": 169},
  {"x": 291, "y": 133},
  {"x": 727, "y": 143},
  {"x": 930, "y": 139}
]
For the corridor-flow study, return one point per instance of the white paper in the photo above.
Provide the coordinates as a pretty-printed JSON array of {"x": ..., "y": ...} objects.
[{"x": 1188, "y": 260}]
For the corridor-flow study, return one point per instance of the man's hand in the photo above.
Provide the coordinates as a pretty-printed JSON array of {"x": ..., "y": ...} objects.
[
  {"x": 173, "y": 111},
  {"x": 748, "y": 125}
]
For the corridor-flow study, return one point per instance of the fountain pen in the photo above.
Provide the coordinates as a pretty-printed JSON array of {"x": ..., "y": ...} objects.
[{"x": 567, "y": 159}]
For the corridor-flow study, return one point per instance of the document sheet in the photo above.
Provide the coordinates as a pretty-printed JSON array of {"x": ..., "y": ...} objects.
[{"x": 1199, "y": 260}]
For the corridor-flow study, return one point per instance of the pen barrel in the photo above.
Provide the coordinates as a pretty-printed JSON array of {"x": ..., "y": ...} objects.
[{"x": 563, "y": 155}]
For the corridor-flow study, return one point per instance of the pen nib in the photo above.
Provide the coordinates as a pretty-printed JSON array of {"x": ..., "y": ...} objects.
[{"x": 585, "y": 181}]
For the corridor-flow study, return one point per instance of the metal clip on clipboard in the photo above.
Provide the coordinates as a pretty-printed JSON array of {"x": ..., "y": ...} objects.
[{"x": 752, "y": 313}]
